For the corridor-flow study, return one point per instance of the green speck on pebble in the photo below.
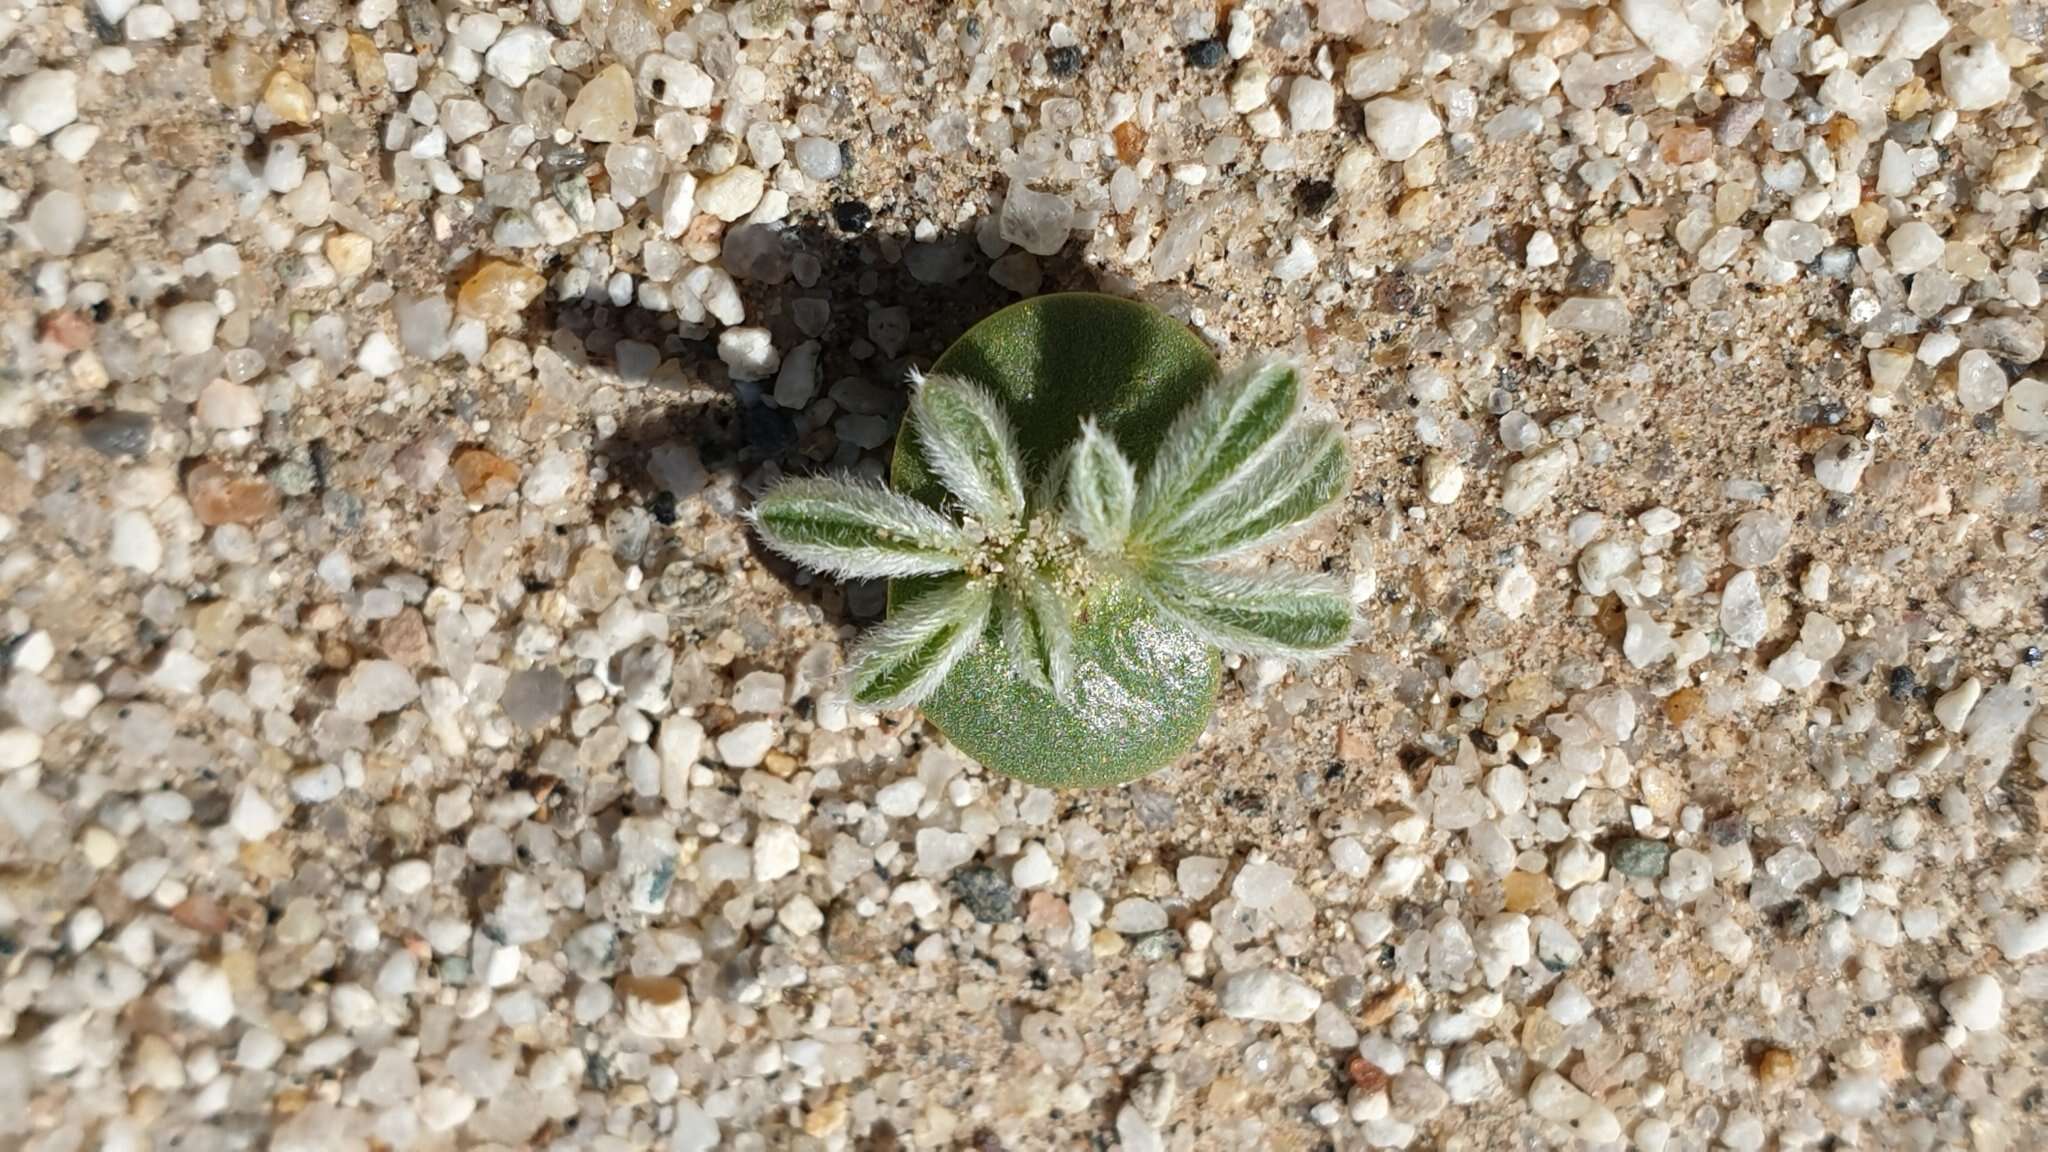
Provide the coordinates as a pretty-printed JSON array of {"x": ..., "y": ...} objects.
[{"x": 1635, "y": 857}]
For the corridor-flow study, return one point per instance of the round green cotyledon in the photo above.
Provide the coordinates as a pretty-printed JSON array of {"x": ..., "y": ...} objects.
[{"x": 1143, "y": 689}]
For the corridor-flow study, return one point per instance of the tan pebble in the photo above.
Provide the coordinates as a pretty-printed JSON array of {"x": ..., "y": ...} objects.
[
  {"x": 595, "y": 581},
  {"x": 1047, "y": 913},
  {"x": 99, "y": 846},
  {"x": 220, "y": 497},
  {"x": 349, "y": 254},
  {"x": 1353, "y": 746},
  {"x": 404, "y": 638},
  {"x": 289, "y": 99},
  {"x": 656, "y": 1006},
  {"x": 1226, "y": 1092},
  {"x": 1130, "y": 141},
  {"x": 1417, "y": 209},
  {"x": 485, "y": 477},
  {"x": 267, "y": 860},
  {"x": 826, "y": 1118},
  {"x": 1869, "y": 221},
  {"x": 367, "y": 63},
  {"x": 67, "y": 329},
  {"x": 1366, "y": 1075},
  {"x": 201, "y": 914},
  {"x": 1912, "y": 98},
  {"x": 1527, "y": 892},
  {"x": 1535, "y": 327},
  {"x": 237, "y": 71},
  {"x": 1669, "y": 88},
  {"x": 1891, "y": 1056},
  {"x": 498, "y": 292},
  {"x": 1776, "y": 1069},
  {"x": 2015, "y": 168},
  {"x": 1384, "y": 1006},
  {"x": 1683, "y": 705},
  {"x": 603, "y": 110},
  {"x": 1685, "y": 144},
  {"x": 703, "y": 240}
]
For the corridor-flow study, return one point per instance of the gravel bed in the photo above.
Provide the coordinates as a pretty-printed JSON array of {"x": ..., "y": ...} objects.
[{"x": 404, "y": 744}]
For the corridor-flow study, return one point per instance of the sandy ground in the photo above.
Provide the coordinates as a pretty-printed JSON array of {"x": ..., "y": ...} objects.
[{"x": 405, "y": 745}]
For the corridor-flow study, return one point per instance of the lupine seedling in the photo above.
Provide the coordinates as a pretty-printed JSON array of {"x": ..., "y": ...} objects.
[{"x": 1059, "y": 615}]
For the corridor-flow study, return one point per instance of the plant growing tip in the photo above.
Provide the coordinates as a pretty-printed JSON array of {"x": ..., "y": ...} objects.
[{"x": 1067, "y": 538}]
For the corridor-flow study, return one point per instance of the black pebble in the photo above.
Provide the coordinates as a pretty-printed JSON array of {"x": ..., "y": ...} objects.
[
  {"x": 852, "y": 216},
  {"x": 1588, "y": 274},
  {"x": 107, "y": 31},
  {"x": 1902, "y": 684},
  {"x": 1314, "y": 195},
  {"x": 663, "y": 508},
  {"x": 985, "y": 893},
  {"x": 1205, "y": 53},
  {"x": 117, "y": 433},
  {"x": 1063, "y": 61}
]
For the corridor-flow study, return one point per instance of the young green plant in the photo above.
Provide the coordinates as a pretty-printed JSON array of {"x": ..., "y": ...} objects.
[{"x": 1016, "y": 558}]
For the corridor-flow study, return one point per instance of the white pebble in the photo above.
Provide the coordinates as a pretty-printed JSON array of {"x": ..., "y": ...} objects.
[
  {"x": 900, "y": 798},
  {"x": 1955, "y": 705},
  {"x": 732, "y": 193},
  {"x": 1311, "y": 105},
  {"x": 1399, "y": 127},
  {"x": 1443, "y": 479},
  {"x": 379, "y": 356},
  {"x": 204, "y": 994},
  {"x": 1680, "y": 31},
  {"x": 1744, "y": 618},
  {"x": 778, "y": 850},
  {"x": 409, "y": 877},
  {"x": 19, "y": 748},
  {"x": 56, "y": 222},
  {"x": 1269, "y": 995},
  {"x": 1530, "y": 481},
  {"x": 189, "y": 327},
  {"x": 1974, "y": 1002},
  {"x": 520, "y": 55},
  {"x": 1839, "y": 464},
  {"x": 746, "y": 745},
  {"x": 226, "y": 406},
  {"x": 2019, "y": 936},
  {"x": 253, "y": 817},
  {"x": 2026, "y": 407},
  {"x": 148, "y": 22},
  {"x": 373, "y": 688},
  {"x": 1034, "y": 869},
  {"x": 43, "y": 101},
  {"x": 1980, "y": 381},
  {"x": 1896, "y": 29},
  {"x": 1578, "y": 863},
  {"x": 1913, "y": 246},
  {"x": 749, "y": 353},
  {"x": 1514, "y": 590},
  {"x": 1973, "y": 75}
]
